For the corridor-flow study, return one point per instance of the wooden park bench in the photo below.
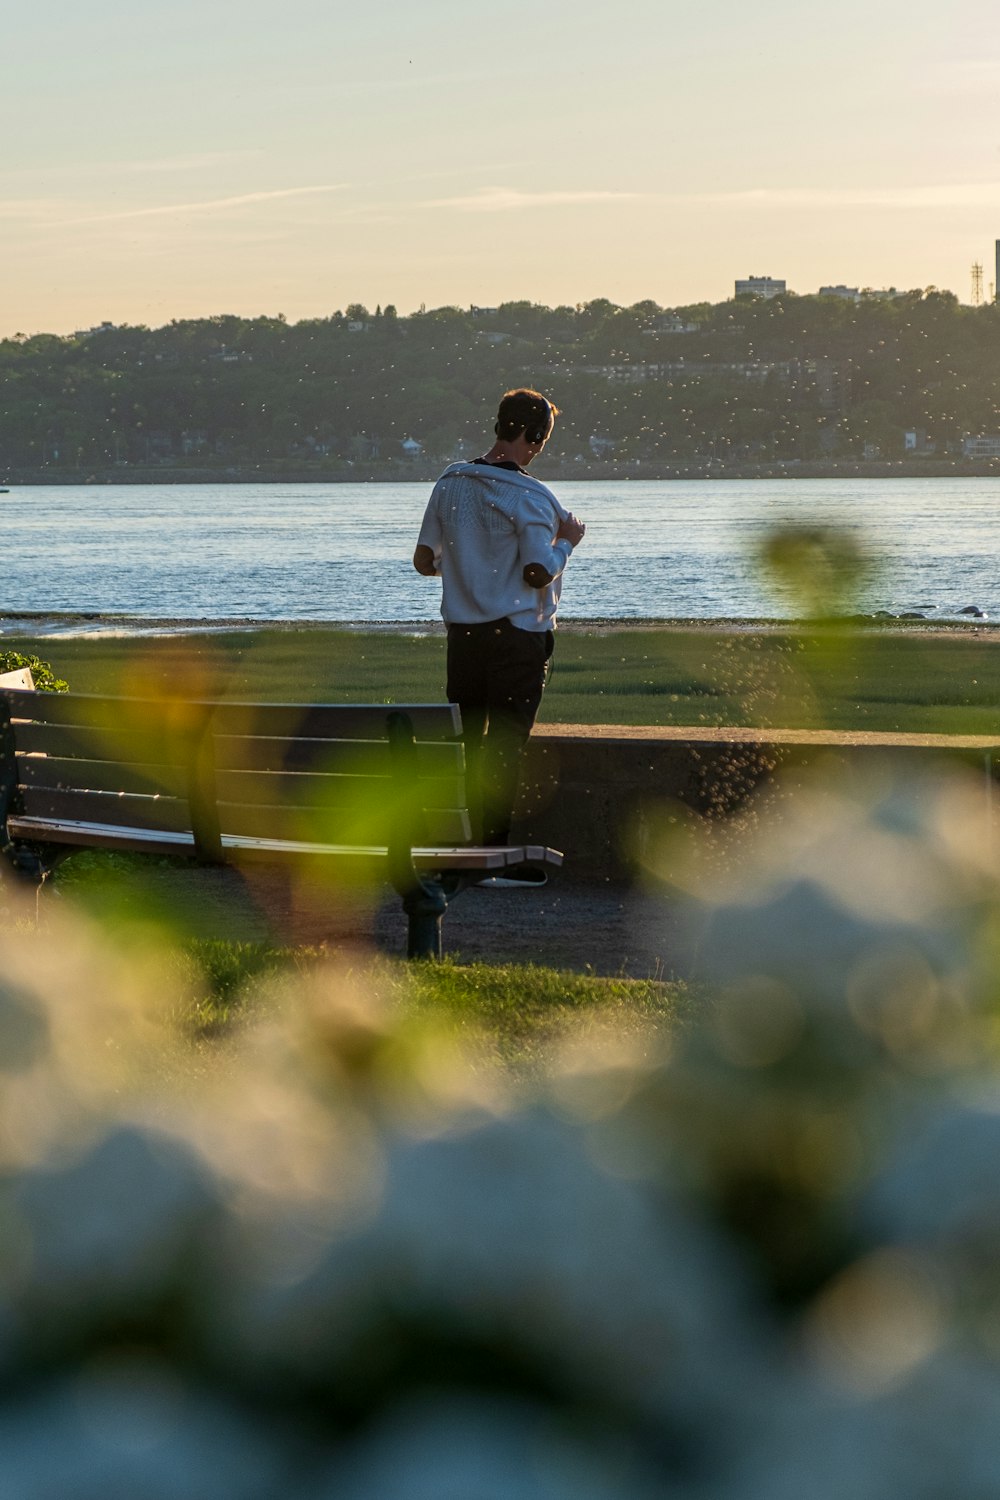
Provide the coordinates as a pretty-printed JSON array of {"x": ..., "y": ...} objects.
[{"x": 379, "y": 790}]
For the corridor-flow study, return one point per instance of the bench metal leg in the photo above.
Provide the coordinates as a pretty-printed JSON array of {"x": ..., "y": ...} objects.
[
  {"x": 24, "y": 865},
  {"x": 425, "y": 907}
]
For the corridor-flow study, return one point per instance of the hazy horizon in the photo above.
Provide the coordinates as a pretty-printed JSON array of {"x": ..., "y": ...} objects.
[{"x": 240, "y": 158}]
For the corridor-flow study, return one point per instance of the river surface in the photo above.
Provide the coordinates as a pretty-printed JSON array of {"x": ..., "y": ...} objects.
[{"x": 341, "y": 552}]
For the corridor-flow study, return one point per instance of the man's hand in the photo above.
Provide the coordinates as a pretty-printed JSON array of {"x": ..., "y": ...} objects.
[
  {"x": 571, "y": 530},
  {"x": 423, "y": 561}
]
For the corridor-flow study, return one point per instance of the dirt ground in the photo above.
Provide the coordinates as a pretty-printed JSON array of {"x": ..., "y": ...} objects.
[{"x": 603, "y": 928}]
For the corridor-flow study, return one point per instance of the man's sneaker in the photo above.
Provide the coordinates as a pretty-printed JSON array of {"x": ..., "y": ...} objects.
[{"x": 525, "y": 879}]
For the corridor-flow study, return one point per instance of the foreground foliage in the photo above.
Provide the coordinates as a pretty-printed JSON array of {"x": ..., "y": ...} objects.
[
  {"x": 747, "y": 1257},
  {"x": 42, "y": 674}
]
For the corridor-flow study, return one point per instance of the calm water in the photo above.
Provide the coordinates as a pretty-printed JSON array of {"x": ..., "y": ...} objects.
[{"x": 342, "y": 551}]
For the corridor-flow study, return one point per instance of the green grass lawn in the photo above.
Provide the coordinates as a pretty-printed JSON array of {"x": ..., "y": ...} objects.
[
  {"x": 222, "y": 963},
  {"x": 795, "y": 678},
  {"x": 512, "y": 1016}
]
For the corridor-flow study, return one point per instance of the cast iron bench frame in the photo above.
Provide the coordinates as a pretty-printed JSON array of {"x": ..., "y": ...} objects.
[{"x": 233, "y": 783}]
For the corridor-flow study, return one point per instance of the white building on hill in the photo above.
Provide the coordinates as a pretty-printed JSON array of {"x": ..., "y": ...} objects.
[{"x": 760, "y": 286}]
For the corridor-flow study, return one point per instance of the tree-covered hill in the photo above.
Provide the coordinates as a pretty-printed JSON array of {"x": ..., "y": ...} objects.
[{"x": 749, "y": 379}]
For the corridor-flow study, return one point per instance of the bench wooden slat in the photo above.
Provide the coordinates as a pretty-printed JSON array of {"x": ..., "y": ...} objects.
[
  {"x": 431, "y": 721},
  {"x": 355, "y": 824},
  {"x": 365, "y": 757},
  {"x": 336, "y": 721},
  {"x": 61, "y": 774},
  {"x": 296, "y": 789},
  {"x": 100, "y": 835},
  {"x": 131, "y": 747},
  {"x": 125, "y": 809},
  {"x": 535, "y": 854},
  {"x": 297, "y": 794},
  {"x": 112, "y": 836},
  {"x": 363, "y": 824},
  {"x": 301, "y": 790},
  {"x": 239, "y": 752},
  {"x": 85, "y": 711},
  {"x": 442, "y": 859}
]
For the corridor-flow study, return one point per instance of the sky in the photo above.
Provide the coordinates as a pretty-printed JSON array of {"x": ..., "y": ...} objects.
[{"x": 200, "y": 157}]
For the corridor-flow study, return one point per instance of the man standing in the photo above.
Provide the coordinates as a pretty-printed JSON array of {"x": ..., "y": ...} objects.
[{"x": 499, "y": 540}]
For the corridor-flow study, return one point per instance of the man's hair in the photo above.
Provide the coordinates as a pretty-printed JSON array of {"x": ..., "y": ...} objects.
[{"x": 525, "y": 411}]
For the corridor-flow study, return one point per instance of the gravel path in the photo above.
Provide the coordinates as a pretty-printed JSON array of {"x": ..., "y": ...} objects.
[
  {"x": 604, "y": 928},
  {"x": 600, "y": 927}
]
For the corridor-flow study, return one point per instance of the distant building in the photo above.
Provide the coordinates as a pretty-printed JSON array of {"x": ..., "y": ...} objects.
[
  {"x": 879, "y": 293},
  {"x": 915, "y": 440},
  {"x": 159, "y": 447},
  {"x": 760, "y": 286},
  {"x": 671, "y": 323},
  {"x": 86, "y": 333},
  {"x": 985, "y": 445},
  {"x": 411, "y": 448},
  {"x": 847, "y": 293}
]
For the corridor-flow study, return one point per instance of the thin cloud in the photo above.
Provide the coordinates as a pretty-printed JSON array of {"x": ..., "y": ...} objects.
[
  {"x": 498, "y": 200},
  {"x": 939, "y": 195},
  {"x": 931, "y": 196},
  {"x": 213, "y": 205}
]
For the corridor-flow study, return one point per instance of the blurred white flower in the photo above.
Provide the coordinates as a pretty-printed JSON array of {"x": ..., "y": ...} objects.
[
  {"x": 509, "y": 1238},
  {"x": 461, "y": 1449},
  {"x": 24, "y": 1031},
  {"x": 108, "y": 1235},
  {"x": 942, "y": 1179},
  {"x": 82, "y": 1029},
  {"x": 816, "y": 1445},
  {"x": 759, "y": 1264},
  {"x": 859, "y": 889},
  {"x": 936, "y": 1435},
  {"x": 136, "y": 1434}
]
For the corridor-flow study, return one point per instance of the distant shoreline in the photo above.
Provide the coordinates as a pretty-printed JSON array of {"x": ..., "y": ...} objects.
[
  {"x": 64, "y": 624},
  {"x": 422, "y": 472}
]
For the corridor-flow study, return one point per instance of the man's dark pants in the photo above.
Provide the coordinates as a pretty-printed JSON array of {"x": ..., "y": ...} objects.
[{"x": 496, "y": 675}]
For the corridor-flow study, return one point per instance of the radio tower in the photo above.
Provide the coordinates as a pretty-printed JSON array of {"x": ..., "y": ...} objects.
[{"x": 977, "y": 283}]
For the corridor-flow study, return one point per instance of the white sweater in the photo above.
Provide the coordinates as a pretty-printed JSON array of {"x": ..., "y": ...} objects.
[{"x": 485, "y": 525}]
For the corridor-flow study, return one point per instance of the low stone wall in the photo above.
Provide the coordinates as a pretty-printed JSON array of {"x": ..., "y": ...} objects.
[{"x": 599, "y": 792}]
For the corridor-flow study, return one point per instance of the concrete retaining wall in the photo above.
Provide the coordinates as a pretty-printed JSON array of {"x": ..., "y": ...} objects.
[{"x": 598, "y": 792}]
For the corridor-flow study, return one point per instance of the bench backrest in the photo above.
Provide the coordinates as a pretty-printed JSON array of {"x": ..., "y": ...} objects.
[{"x": 314, "y": 772}]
